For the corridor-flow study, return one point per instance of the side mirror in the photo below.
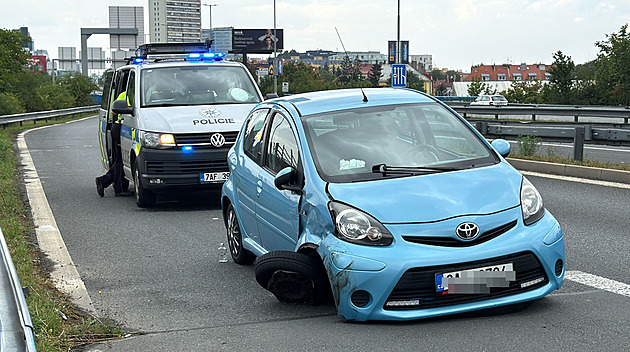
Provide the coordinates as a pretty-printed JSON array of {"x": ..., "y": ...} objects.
[
  {"x": 271, "y": 96},
  {"x": 286, "y": 179},
  {"x": 121, "y": 107},
  {"x": 502, "y": 147}
]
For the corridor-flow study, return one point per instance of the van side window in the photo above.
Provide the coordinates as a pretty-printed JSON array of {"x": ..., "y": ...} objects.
[
  {"x": 131, "y": 84},
  {"x": 253, "y": 135},
  {"x": 109, "y": 75}
]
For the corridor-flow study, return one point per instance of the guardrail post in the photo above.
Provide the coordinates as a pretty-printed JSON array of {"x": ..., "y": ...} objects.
[
  {"x": 533, "y": 117},
  {"x": 578, "y": 144}
]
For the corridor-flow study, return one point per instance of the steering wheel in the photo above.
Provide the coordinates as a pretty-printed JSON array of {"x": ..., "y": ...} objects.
[{"x": 421, "y": 154}]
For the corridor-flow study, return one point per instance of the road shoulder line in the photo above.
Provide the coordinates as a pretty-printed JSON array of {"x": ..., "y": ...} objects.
[{"x": 64, "y": 272}]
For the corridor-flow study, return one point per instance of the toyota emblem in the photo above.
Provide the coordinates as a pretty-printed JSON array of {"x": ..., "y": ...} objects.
[
  {"x": 467, "y": 231},
  {"x": 217, "y": 140}
]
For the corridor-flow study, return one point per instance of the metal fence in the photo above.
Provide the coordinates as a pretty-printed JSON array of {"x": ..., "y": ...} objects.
[
  {"x": 6, "y": 120},
  {"x": 16, "y": 327}
]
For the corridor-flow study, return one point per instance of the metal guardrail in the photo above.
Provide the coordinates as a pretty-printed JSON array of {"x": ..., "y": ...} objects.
[
  {"x": 5, "y": 120},
  {"x": 16, "y": 327},
  {"x": 465, "y": 109}
]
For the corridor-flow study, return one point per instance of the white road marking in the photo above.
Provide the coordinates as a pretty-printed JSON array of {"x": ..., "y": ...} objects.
[
  {"x": 577, "y": 179},
  {"x": 598, "y": 282},
  {"x": 64, "y": 272}
]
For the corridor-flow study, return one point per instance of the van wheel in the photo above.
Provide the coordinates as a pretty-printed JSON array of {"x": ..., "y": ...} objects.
[
  {"x": 235, "y": 239},
  {"x": 293, "y": 277},
  {"x": 144, "y": 197}
]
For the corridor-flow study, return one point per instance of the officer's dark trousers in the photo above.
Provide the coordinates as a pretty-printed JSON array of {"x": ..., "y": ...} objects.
[{"x": 114, "y": 175}]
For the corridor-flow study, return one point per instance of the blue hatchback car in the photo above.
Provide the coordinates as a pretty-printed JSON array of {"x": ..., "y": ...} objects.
[{"x": 389, "y": 202}]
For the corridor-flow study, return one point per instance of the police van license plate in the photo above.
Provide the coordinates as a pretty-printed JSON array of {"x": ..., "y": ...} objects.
[
  {"x": 213, "y": 177},
  {"x": 442, "y": 285}
]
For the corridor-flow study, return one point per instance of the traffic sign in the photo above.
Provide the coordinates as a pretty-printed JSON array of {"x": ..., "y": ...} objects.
[{"x": 399, "y": 75}]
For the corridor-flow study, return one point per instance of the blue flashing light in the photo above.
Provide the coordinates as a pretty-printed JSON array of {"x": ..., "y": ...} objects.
[
  {"x": 205, "y": 56},
  {"x": 138, "y": 61},
  {"x": 187, "y": 149}
]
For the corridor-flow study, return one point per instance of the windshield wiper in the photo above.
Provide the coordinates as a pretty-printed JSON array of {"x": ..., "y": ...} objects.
[{"x": 410, "y": 170}]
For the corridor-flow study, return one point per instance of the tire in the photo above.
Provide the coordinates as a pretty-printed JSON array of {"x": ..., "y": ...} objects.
[
  {"x": 144, "y": 197},
  {"x": 293, "y": 277},
  {"x": 239, "y": 254}
]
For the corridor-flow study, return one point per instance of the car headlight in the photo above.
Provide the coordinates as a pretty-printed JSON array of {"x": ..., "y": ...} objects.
[
  {"x": 157, "y": 140},
  {"x": 355, "y": 226},
  {"x": 531, "y": 203}
]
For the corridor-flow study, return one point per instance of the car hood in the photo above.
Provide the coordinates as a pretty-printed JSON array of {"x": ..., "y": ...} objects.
[
  {"x": 193, "y": 119},
  {"x": 434, "y": 197}
]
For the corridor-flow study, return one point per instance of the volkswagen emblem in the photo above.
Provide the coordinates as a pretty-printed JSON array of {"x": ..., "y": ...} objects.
[
  {"x": 467, "y": 231},
  {"x": 217, "y": 140},
  {"x": 209, "y": 112}
]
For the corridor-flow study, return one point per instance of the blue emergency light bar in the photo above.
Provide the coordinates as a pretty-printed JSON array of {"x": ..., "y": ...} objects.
[
  {"x": 138, "y": 61},
  {"x": 205, "y": 56}
]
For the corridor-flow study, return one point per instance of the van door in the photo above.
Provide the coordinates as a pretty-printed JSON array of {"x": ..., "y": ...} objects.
[
  {"x": 104, "y": 123},
  {"x": 128, "y": 127}
]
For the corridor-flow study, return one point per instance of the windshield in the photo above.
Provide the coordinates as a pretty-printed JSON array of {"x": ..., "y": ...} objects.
[
  {"x": 197, "y": 85},
  {"x": 354, "y": 145}
]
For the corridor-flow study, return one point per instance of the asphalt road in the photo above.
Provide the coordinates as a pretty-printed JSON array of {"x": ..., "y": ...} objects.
[{"x": 156, "y": 271}]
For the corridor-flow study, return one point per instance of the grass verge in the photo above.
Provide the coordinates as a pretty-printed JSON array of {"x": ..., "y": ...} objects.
[
  {"x": 560, "y": 160},
  {"x": 58, "y": 324}
]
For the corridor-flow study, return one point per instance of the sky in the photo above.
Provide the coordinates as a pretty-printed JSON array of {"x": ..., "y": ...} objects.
[{"x": 458, "y": 33}]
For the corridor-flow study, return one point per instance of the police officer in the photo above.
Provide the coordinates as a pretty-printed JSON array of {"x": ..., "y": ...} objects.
[{"x": 114, "y": 175}]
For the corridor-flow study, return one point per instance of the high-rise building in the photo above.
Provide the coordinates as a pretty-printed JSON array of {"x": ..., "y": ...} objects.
[
  {"x": 26, "y": 44},
  {"x": 175, "y": 21},
  {"x": 126, "y": 17}
]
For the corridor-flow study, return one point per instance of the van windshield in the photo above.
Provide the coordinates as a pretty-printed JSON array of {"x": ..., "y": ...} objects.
[{"x": 197, "y": 85}]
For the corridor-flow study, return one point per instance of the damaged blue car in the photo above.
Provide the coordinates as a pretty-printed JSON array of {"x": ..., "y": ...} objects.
[{"x": 387, "y": 202}]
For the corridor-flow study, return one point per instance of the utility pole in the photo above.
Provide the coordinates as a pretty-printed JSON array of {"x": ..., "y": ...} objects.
[{"x": 398, "y": 60}]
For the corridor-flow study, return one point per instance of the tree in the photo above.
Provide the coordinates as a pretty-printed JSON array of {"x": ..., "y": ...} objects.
[
  {"x": 441, "y": 90},
  {"x": 13, "y": 57},
  {"x": 438, "y": 75},
  {"x": 476, "y": 87},
  {"x": 79, "y": 87},
  {"x": 561, "y": 81},
  {"x": 612, "y": 74},
  {"x": 414, "y": 82},
  {"x": 375, "y": 74}
]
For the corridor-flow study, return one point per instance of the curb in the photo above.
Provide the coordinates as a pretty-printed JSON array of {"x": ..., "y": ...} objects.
[{"x": 593, "y": 173}]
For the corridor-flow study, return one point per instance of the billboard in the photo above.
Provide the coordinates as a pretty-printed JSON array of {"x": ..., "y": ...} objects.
[
  {"x": 256, "y": 41},
  {"x": 404, "y": 52}
]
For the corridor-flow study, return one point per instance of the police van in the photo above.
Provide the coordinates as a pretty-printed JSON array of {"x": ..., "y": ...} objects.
[{"x": 182, "y": 111}]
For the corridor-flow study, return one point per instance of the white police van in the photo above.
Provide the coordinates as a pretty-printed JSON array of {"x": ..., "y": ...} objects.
[{"x": 184, "y": 108}]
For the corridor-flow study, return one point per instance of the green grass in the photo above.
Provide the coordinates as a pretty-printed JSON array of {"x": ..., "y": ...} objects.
[
  {"x": 46, "y": 304},
  {"x": 560, "y": 160}
]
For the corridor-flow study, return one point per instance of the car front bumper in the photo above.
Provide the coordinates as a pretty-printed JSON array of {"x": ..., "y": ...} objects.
[{"x": 365, "y": 281}]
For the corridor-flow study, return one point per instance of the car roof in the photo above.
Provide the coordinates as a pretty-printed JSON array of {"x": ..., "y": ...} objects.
[{"x": 343, "y": 99}]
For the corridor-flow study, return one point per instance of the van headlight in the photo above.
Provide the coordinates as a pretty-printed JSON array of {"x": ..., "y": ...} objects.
[
  {"x": 355, "y": 226},
  {"x": 157, "y": 140},
  {"x": 531, "y": 203}
]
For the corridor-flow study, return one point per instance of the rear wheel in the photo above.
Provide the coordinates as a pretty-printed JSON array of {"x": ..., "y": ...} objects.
[
  {"x": 144, "y": 197},
  {"x": 235, "y": 239}
]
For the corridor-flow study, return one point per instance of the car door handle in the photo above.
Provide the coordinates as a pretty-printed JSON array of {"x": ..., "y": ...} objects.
[{"x": 258, "y": 188}]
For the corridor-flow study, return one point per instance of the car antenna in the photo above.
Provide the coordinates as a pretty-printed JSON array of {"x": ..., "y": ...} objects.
[{"x": 365, "y": 99}]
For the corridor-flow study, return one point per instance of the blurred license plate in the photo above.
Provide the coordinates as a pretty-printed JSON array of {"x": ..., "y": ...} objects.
[
  {"x": 213, "y": 177},
  {"x": 441, "y": 280}
]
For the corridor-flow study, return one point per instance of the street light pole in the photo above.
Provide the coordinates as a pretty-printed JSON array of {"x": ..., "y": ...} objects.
[
  {"x": 210, "y": 8},
  {"x": 398, "y": 60},
  {"x": 275, "y": 59}
]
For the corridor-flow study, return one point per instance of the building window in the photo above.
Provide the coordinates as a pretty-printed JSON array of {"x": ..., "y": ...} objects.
[
  {"x": 485, "y": 77},
  {"x": 501, "y": 77},
  {"x": 516, "y": 76},
  {"x": 532, "y": 75}
]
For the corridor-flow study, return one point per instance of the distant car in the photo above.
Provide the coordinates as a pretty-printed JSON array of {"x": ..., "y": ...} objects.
[
  {"x": 388, "y": 201},
  {"x": 496, "y": 100}
]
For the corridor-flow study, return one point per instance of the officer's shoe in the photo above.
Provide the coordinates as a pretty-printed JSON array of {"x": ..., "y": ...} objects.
[
  {"x": 99, "y": 187},
  {"x": 123, "y": 194}
]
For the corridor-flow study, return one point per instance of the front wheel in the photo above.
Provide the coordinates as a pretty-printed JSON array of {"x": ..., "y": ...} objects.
[{"x": 144, "y": 197}]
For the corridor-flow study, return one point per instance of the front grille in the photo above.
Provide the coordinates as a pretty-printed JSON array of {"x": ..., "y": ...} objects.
[
  {"x": 204, "y": 138},
  {"x": 453, "y": 242},
  {"x": 419, "y": 283},
  {"x": 186, "y": 167}
]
